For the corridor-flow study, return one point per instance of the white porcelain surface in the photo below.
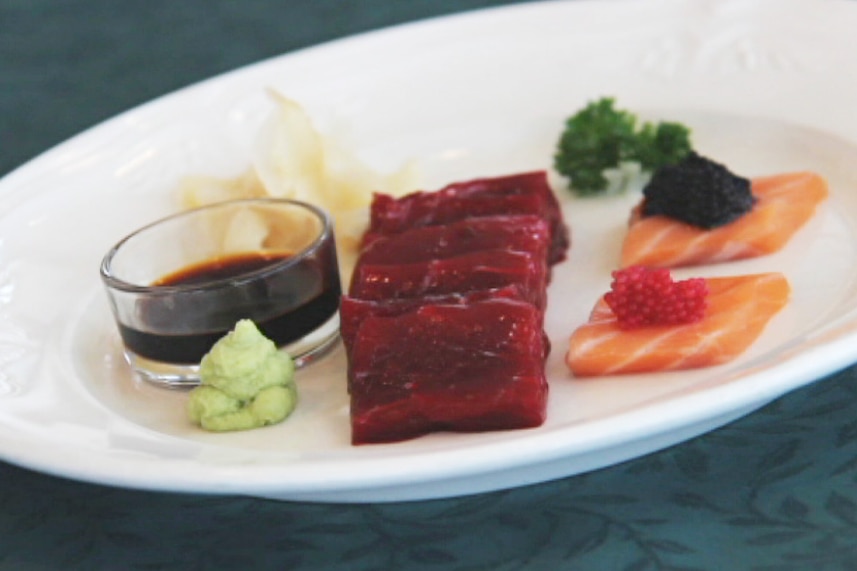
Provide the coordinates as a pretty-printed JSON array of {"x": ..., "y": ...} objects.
[{"x": 762, "y": 84}]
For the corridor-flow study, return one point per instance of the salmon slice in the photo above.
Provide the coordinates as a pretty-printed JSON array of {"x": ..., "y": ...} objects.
[
  {"x": 784, "y": 203},
  {"x": 738, "y": 310}
]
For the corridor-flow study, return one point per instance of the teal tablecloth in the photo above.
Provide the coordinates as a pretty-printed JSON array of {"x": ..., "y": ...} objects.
[{"x": 775, "y": 490}]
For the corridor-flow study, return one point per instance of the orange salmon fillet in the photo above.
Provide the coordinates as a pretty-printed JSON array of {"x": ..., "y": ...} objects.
[
  {"x": 785, "y": 202},
  {"x": 738, "y": 310}
]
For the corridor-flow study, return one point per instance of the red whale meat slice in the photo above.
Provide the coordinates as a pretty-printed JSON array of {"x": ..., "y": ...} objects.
[
  {"x": 445, "y": 367},
  {"x": 353, "y": 311},
  {"x": 480, "y": 270},
  {"x": 525, "y": 193},
  {"x": 518, "y": 233}
]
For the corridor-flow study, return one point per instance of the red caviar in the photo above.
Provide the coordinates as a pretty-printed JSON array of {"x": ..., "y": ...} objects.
[{"x": 642, "y": 296}]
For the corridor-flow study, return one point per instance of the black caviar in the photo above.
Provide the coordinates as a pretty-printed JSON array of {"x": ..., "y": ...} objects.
[{"x": 697, "y": 191}]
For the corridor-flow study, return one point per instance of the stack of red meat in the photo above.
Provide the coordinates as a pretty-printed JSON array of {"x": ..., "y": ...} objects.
[{"x": 443, "y": 321}]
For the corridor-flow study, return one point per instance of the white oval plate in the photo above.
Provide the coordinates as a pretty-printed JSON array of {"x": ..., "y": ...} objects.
[{"x": 474, "y": 95}]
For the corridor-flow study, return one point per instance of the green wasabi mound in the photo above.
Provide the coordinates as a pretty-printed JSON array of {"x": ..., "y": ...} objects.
[{"x": 246, "y": 382}]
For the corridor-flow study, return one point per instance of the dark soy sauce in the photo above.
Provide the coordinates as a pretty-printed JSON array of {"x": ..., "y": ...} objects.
[
  {"x": 222, "y": 268},
  {"x": 180, "y": 327}
]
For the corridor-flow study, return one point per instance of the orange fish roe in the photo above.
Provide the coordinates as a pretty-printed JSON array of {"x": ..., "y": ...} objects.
[{"x": 641, "y": 296}]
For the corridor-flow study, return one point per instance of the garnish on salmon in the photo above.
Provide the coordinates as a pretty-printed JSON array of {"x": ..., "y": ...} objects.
[
  {"x": 738, "y": 309},
  {"x": 641, "y": 296},
  {"x": 784, "y": 203}
]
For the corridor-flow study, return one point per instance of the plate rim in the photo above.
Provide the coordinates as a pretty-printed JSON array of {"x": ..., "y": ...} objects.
[{"x": 836, "y": 354}]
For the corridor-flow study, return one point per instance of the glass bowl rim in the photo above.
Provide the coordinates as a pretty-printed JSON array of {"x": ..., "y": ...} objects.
[{"x": 119, "y": 284}]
